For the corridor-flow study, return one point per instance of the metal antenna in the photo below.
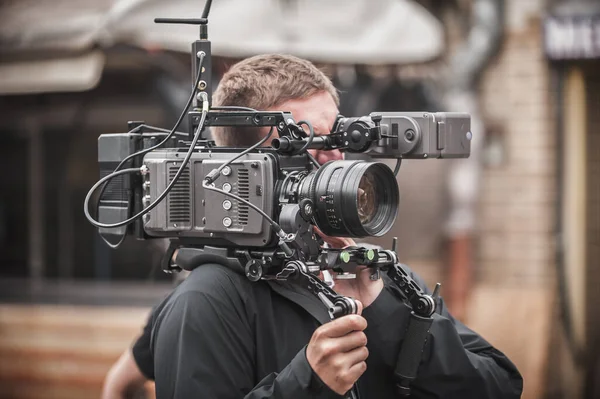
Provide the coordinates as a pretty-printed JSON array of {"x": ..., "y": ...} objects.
[{"x": 206, "y": 9}]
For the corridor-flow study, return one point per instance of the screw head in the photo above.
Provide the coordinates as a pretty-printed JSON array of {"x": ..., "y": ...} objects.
[
  {"x": 227, "y": 222},
  {"x": 227, "y": 205},
  {"x": 308, "y": 209},
  {"x": 227, "y": 187},
  {"x": 226, "y": 171},
  {"x": 253, "y": 271}
]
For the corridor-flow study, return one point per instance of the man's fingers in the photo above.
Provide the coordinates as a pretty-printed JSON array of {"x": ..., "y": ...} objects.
[
  {"x": 353, "y": 340},
  {"x": 335, "y": 242},
  {"x": 356, "y": 370},
  {"x": 356, "y": 355},
  {"x": 344, "y": 325}
]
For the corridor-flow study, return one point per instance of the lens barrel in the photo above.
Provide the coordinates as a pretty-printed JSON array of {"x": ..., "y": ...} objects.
[{"x": 352, "y": 198}]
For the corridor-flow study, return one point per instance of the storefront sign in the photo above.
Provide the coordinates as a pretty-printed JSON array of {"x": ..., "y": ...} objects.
[{"x": 573, "y": 37}]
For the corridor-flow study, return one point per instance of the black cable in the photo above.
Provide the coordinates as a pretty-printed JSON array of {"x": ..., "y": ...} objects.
[
  {"x": 278, "y": 230},
  {"x": 179, "y": 120},
  {"x": 134, "y": 130},
  {"x": 311, "y": 135},
  {"x": 397, "y": 168},
  {"x": 172, "y": 131},
  {"x": 145, "y": 151},
  {"x": 162, "y": 195},
  {"x": 313, "y": 160},
  {"x": 98, "y": 183},
  {"x": 215, "y": 173},
  {"x": 118, "y": 244},
  {"x": 232, "y": 108},
  {"x": 238, "y": 198}
]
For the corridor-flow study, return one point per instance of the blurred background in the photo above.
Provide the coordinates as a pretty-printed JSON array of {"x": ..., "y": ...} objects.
[{"x": 512, "y": 233}]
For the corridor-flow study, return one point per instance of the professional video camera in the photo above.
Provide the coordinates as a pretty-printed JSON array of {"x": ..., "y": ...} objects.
[{"x": 254, "y": 209}]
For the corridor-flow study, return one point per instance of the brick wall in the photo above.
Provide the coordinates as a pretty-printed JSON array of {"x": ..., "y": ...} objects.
[
  {"x": 514, "y": 302},
  {"x": 517, "y": 207}
]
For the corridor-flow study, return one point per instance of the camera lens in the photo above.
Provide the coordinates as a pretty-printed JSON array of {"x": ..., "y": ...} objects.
[
  {"x": 367, "y": 198},
  {"x": 352, "y": 198}
]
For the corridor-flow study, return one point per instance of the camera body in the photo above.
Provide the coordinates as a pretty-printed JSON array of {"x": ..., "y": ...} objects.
[
  {"x": 271, "y": 177},
  {"x": 209, "y": 217}
]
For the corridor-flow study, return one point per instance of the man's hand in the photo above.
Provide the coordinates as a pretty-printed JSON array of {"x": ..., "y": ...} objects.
[
  {"x": 362, "y": 287},
  {"x": 337, "y": 351}
]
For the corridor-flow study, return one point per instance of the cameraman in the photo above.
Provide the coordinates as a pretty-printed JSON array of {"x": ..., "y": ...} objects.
[{"x": 218, "y": 335}]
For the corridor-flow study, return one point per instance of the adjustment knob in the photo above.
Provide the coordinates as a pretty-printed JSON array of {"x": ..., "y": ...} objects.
[
  {"x": 344, "y": 306},
  {"x": 307, "y": 209}
]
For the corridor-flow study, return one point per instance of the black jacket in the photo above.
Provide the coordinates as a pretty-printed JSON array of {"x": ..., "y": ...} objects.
[{"x": 219, "y": 335}]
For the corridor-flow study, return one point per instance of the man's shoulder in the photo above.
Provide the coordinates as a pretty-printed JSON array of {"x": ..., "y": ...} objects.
[
  {"x": 212, "y": 280},
  {"x": 211, "y": 294},
  {"x": 210, "y": 286}
]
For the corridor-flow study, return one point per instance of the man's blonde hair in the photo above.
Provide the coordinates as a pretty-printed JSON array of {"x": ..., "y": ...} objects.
[{"x": 264, "y": 81}]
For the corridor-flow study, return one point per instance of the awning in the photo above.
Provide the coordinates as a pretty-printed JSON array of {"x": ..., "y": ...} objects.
[
  {"x": 331, "y": 31},
  {"x": 63, "y": 74}
]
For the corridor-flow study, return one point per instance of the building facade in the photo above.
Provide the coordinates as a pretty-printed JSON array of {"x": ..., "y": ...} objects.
[{"x": 538, "y": 251}]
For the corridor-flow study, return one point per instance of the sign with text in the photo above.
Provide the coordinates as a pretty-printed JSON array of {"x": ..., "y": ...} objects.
[{"x": 572, "y": 37}]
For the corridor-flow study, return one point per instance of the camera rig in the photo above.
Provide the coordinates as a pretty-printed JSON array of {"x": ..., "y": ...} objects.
[{"x": 254, "y": 209}]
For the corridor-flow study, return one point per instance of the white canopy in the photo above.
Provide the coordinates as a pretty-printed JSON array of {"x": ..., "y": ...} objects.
[{"x": 330, "y": 31}]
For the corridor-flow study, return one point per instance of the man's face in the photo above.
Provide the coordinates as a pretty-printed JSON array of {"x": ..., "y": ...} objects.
[{"x": 320, "y": 110}]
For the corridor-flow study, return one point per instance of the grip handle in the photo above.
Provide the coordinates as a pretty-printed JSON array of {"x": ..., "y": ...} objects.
[{"x": 411, "y": 352}]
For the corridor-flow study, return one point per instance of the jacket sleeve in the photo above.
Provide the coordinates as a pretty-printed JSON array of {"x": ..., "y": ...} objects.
[
  {"x": 457, "y": 362},
  {"x": 141, "y": 350},
  {"x": 204, "y": 348}
]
